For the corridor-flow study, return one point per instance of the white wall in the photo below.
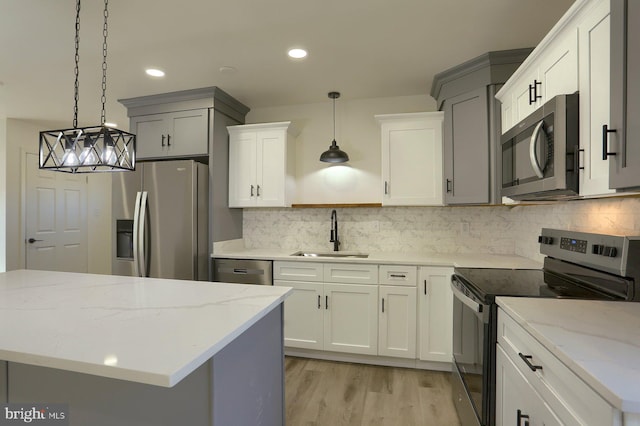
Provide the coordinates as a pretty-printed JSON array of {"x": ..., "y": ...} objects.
[
  {"x": 3, "y": 194},
  {"x": 21, "y": 138},
  {"x": 357, "y": 133}
]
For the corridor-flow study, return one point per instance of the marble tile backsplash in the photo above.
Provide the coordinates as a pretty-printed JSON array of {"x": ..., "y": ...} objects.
[{"x": 468, "y": 229}]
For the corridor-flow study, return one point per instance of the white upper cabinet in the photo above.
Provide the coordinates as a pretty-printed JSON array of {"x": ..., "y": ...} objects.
[
  {"x": 594, "y": 76},
  {"x": 262, "y": 165},
  {"x": 411, "y": 159},
  {"x": 546, "y": 73}
]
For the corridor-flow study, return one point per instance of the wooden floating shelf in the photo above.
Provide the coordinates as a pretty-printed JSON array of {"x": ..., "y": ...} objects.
[{"x": 333, "y": 206}]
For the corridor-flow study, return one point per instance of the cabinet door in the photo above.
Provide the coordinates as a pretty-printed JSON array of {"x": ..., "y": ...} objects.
[
  {"x": 271, "y": 166},
  {"x": 435, "y": 306},
  {"x": 559, "y": 67},
  {"x": 466, "y": 149},
  {"x": 412, "y": 161},
  {"x": 517, "y": 403},
  {"x": 242, "y": 169},
  {"x": 397, "y": 321},
  {"x": 624, "y": 171},
  {"x": 351, "y": 318},
  {"x": 594, "y": 68},
  {"x": 151, "y": 135},
  {"x": 303, "y": 313},
  {"x": 188, "y": 133}
]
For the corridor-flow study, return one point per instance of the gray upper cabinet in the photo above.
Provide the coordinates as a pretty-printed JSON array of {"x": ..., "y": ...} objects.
[
  {"x": 174, "y": 134},
  {"x": 624, "y": 136},
  {"x": 471, "y": 152}
]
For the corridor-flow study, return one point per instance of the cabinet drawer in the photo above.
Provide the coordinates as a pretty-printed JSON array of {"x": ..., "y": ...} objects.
[
  {"x": 573, "y": 401},
  {"x": 398, "y": 275},
  {"x": 350, "y": 273},
  {"x": 299, "y": 271}
]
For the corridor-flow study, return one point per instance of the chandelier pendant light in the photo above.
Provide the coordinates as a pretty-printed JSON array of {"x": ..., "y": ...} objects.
[
  {"x": 88, "y": 149},
  {"x": 334, "y": 154}
]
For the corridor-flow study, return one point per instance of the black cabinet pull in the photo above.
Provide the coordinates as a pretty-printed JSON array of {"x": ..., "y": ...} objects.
[
  {"x": 168, "y": 140},
  {"x": 383, "y": 305},
  {"x": 397, "y": 275},
  {"x": 252, "y": 190},
  {"x": 319, "y": 305},
  {"x": 425, "y": 287},
  {"x": 449, "y": 185},
  {"x": 163, "y": 136},
  {"x": 526, "y": 359},
  {"x": 521, "y": 417},
  {"x": 576, "y": 154},
  {"x": 326, "y": 302},
  {"x": 386, "y": 188},
  {"x": 258, "y": 190},
  {"x": 533, "y": 92},
  {"x": 605, "y": 141}
]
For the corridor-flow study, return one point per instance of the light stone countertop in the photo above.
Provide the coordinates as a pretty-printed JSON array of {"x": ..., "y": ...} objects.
[
  {"x": 598, "y": 340},
  {"x": 145, "y": 330},
  {"x": 420, "y": 259}
]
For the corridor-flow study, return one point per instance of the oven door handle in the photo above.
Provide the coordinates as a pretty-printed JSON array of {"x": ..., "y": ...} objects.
[{"x": 475, "y": 306}]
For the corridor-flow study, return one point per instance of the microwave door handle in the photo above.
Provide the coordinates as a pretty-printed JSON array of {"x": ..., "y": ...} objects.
[
  {"x": 532, "y": 150},
  {"x": 475, "y": 306}
]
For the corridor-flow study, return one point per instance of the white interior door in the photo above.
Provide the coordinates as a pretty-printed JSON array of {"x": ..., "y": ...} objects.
[{"x": 56, "y": 219}]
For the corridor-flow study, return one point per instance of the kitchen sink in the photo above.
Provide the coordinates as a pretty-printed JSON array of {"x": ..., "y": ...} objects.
[{"x": 330, "y": 254}]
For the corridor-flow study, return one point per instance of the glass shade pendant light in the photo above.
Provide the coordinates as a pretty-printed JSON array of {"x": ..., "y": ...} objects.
[
  {"x": 334, "y": 154},
  {"x": 88, "y": 149}
]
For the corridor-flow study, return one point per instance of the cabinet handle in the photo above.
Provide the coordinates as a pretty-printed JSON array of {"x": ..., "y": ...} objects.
[
  {"x": 326, "y": 302},
  {"x": 425, "y": 287},
  {"x": 258, "y": 190},
  {"x": 386, "y": 188},
  {"x": 449, "y": 185},
  {"x": 521, "y": 417},
  {"x": 397, "y": 275},
  {"x": 168, "y": 140},
  {"x": 383, "y": 305},
  {"x": 252, "y": 190},
  {"x": 163, "y": 136},
  {"x": 319, "y": 305},
  {"x": 576, "y": 154},
  {"x": 526, "y": 359},
  {"x": 605, "y": 141},
  {"x": 533, "y": 92}
]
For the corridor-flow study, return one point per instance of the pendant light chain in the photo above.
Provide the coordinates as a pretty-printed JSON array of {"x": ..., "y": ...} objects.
[
  {"x": 76, "y": 70},
  {"x": 334, "y": 118},
  {"x": 105, "y": 31}
]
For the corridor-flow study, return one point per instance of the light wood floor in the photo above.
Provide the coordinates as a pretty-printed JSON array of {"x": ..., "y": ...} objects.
[{"x": 326, "y": 393}]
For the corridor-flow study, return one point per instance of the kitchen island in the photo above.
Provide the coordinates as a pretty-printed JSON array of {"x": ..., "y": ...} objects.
[{"x": 142, "y": 351}]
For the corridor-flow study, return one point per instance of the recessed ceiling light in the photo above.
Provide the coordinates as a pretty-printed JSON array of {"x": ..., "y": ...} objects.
[
  {"x": 297, "y": 53},
  {"x": 153, "y": 72}
]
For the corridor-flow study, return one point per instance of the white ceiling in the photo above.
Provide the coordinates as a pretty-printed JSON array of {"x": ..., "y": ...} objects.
[{"x": 362, "y": 48}]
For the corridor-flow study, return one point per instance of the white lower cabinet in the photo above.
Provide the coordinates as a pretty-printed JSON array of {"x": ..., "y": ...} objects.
[
  {"x": 517, "y": 403},
  {"x": 303, "y": 315},
  {"x": 531, "y": 379},
  {"x": 435, "y": 311},
  {"x": 397, "y": 321}
]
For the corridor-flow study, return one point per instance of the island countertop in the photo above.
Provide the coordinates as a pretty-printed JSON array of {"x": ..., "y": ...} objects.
[
  {"x": 597, "y": 340},
  {"x": 145, "y": 330}
]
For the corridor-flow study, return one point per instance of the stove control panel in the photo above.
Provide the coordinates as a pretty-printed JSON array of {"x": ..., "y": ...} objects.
[
  {"x": 573, "y": 244},
  {"x": 616, "y": 254}
]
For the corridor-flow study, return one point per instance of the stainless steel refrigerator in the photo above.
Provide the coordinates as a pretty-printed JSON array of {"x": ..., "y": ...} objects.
[{"x": 160, "y": 215}]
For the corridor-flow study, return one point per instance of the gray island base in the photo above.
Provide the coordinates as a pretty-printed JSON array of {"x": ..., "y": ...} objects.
[{"x": 242, "y": 384}]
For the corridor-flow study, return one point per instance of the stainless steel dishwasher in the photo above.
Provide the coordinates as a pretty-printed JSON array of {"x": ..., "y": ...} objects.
[{"x": 243, "y": 271}]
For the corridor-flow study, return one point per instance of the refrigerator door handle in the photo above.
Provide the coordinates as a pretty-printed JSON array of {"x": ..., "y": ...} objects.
[
  {"x": 142, "y": 240},
  {"x": 136, "y": 235}
]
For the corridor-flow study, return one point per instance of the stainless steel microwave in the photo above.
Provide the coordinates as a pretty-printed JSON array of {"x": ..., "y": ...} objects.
[{"x": 540, "y": 153}]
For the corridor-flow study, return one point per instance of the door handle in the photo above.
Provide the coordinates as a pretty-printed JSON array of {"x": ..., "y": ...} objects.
[
  {"x": 32, "y": 240},
  {"x": 526, "y": 359}
]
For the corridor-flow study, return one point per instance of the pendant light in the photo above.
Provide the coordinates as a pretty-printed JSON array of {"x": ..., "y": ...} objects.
[
  {"x": 88, "y": 149},
  {"x": 334, "y": 154}
]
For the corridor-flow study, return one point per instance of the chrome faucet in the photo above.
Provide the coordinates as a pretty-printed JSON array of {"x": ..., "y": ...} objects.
[{"x": 334, "y": 231}]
